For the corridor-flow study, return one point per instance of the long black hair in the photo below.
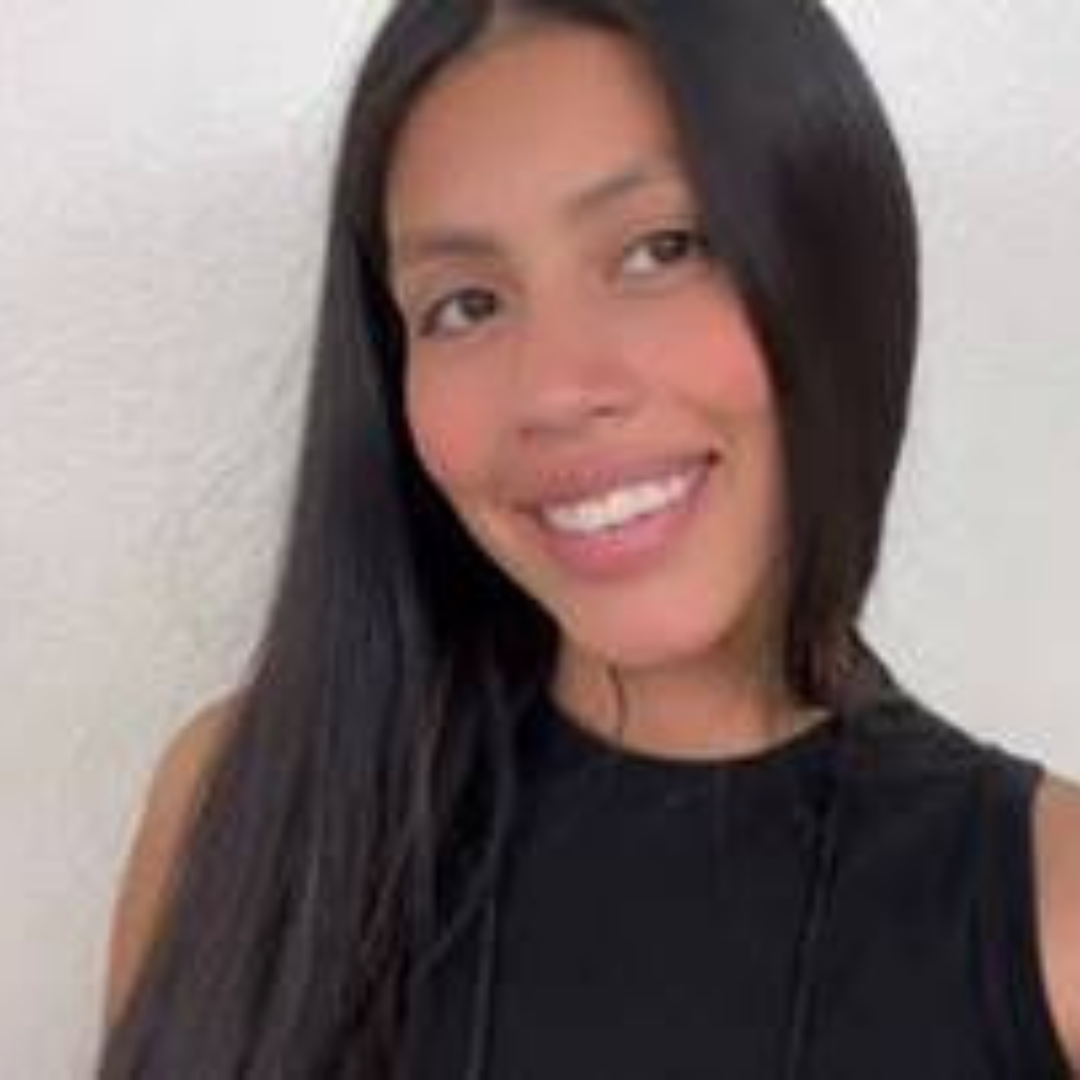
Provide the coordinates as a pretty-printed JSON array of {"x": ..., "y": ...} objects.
[{"x": 354, "y": 821}]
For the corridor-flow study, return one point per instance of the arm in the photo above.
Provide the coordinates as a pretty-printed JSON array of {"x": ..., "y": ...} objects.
[
  {"x": 1057, "y": 841},
  {"x": 146, "y": 878}
]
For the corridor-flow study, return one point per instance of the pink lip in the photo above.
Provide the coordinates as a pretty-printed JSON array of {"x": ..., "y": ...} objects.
[
  {"x": 575, "y": 481},
  {"x": 629, "y": 550}
]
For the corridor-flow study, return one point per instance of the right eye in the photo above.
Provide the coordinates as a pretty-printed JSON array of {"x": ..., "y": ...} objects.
[{"x": 456, "y": 313}]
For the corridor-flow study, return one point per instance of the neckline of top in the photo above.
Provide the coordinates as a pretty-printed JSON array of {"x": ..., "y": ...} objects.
[{"x": 559, "y": 741}]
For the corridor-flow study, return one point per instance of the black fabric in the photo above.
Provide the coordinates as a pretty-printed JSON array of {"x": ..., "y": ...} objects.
[{"x": 649, "y": 911}]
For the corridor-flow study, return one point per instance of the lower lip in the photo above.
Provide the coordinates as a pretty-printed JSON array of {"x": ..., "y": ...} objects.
[{"x": 632, "y": 548}]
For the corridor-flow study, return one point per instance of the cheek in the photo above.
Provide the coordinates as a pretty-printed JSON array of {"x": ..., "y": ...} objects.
[
  {"x": 733, "y": 370},
  {"x": 723, "y": 372},
  {"x": 706, "y": 351},
  {"x": 447, "y": 429}
]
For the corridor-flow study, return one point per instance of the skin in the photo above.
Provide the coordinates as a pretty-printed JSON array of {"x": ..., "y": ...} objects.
[{"x": 575, "y": 328}]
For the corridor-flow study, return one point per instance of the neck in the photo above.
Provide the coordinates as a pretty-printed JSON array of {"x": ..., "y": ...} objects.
[{"x": 701, "y": 710}]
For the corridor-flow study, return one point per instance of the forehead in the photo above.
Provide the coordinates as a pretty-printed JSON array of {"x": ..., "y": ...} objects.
[{"x": 523, "y": 122}]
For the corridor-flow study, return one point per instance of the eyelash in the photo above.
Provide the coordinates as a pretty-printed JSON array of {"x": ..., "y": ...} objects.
[{"x": 698, "y": 243}]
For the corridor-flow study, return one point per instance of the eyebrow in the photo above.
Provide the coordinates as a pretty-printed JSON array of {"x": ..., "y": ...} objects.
[{"x": 421, "y": 245}]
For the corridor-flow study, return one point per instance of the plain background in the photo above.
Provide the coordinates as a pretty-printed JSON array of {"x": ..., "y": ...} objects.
[{"x": 163, "y": 173}]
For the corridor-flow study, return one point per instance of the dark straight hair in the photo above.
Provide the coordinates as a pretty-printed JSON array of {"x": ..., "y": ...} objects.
[{"x": 357, "y": 813}]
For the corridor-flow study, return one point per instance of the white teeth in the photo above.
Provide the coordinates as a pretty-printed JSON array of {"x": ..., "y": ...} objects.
[{"x": 621, "y": 505}]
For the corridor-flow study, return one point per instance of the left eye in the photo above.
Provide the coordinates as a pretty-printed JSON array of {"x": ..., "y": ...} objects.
[{"x": 664, "y": 248}]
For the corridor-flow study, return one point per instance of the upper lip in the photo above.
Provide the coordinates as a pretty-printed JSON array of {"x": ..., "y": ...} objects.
[{"x": 574, "y": 481}]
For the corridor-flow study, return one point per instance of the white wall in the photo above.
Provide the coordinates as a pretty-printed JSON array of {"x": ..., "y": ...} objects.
[{"x": 162, "y": 174}]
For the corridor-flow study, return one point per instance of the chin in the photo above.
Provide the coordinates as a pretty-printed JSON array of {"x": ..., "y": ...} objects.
[{"x": 639, "y": 642}]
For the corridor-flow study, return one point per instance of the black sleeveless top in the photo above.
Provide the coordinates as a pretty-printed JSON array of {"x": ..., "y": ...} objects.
[{"x": 856, "y": 902}]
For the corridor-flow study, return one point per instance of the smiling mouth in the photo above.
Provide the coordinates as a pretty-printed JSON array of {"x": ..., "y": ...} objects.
[
  {"x": 584, "y": 481},
  {"x": 628, "y": 531},
  {"x": 619, "y": 506}
]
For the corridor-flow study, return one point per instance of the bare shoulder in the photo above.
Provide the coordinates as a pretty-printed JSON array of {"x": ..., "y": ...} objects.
[
  {"x": 1057, "y": 843},
  {"x": 171, "y": 798}
]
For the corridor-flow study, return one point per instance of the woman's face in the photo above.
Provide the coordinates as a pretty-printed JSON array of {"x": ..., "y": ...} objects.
[{"x": 574, "y": 351}]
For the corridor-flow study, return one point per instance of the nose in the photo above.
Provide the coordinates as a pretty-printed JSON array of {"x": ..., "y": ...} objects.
[{"x": 573, "y": 369}]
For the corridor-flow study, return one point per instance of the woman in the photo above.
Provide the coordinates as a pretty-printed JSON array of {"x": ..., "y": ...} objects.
[{"x": 563, "y": 755}]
